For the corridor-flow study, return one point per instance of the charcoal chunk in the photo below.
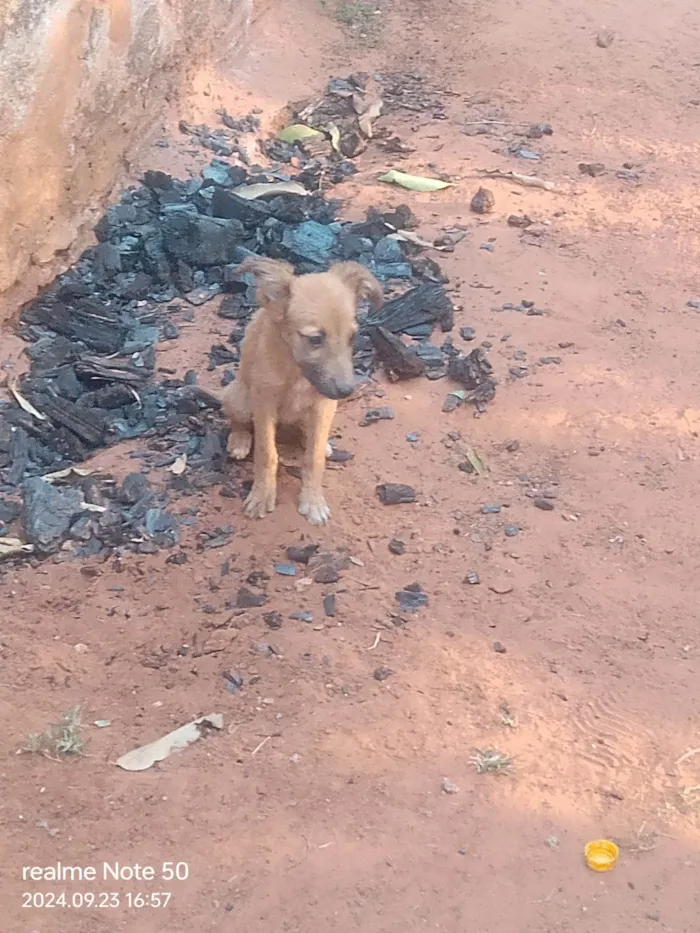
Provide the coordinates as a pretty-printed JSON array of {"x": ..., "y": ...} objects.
[
  {"x": 48, "y": 513},
  {"x": 201, "y": 241},
  {"x": 230, "y": 206},
  {"x": 18, "y": 456},
  {"x": 475, "y": 373},
  {"x": 311, "y": 241},
  {"x": 94, "y": 324},
  {"x": 9, "y": 511},
  {"x": 399, "y": 360},
  {"x": 426, "y": 304}
]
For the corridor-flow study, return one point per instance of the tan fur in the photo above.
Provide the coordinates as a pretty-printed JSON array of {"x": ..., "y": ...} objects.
[{"x": 296, "y": 362}]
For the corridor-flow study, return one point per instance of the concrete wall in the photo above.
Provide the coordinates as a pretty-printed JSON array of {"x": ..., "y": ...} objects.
[{"x": 80, "y": 82}]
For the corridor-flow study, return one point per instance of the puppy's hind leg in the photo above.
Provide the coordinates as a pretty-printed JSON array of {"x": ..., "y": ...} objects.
[
  {"x": 262, "y": 496},
  {"x": 237, "y": 408}
]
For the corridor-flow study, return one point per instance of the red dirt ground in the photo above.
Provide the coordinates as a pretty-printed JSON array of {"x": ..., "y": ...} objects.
[{"x": 339, "y": 820}]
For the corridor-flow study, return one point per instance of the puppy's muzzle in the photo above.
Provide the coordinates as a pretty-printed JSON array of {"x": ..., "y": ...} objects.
[{"x": 331, "y": 388}]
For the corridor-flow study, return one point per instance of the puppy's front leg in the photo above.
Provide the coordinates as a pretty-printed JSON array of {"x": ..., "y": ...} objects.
[
  {"x": 263, "y": 495},
  {"x": 312, "y": 503}
]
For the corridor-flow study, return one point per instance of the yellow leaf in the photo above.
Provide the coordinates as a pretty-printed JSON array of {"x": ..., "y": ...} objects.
[
  {"x": 297, "y": 131},
  {"x": 334, "y": 134},
  {"x": 414, "y": 182},
  {"x": 270, "y": 190}
]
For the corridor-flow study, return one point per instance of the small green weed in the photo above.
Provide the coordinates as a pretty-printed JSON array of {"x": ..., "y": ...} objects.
[
  {"x": 488, "y": 759},
  {"x": 58, "y": 739}
]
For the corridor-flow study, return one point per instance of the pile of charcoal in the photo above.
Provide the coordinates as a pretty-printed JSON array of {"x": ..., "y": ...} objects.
[{"x": 168, "y": 247}]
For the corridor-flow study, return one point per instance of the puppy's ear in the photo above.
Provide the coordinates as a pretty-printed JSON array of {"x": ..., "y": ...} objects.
[
  {"x": 273, "y": 282},
  {"x": 361, "y": 281}
]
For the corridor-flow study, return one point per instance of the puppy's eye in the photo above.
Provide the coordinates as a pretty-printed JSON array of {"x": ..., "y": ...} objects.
[{"x": 316, "y": 340}]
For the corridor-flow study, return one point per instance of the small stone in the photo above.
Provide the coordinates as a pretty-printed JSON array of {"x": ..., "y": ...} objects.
[
  {"x": 246, "y": 599},
  {"x": 605, "y": 38},
  {"x": 538, "y": 130},
  {"x": 472, "y": 578},
  {"x": 273, "y": 620},
  {"x": 489, "y": 247},
  {"x": 499, "y": 648},
  {"x": 653, "y": 915},
  {"x": 286, "y": 570},
  {"x": 381, "y": 673},
  {"x": 395, "y": 493},
  {"x": 545, "y": 504},
  {"x": 398, "y": 547},
  {"x": 234, "y": 682},
  {"x": 511, "y": 531},
  {"x": 550, "y": 360},
  {"x": 329, "y": 605},
  {"x": 302, "y": 616},
  {"x": 373, "y": 415},
  {"x": 301, "y": 553},
  {"x": 519, "y": 220},
  {"x": 467, "y": 333},
  {"x": 483, "y": 201},
  {"x": 326, "y": 574},
  {"x": 412, "y": 597},
  {"x": 490, "y": 509},
  {"x": 695, "y": 305},
  {"x": 512, "y": 446},
  {"x": 591, "y": 168},
  {"x": 449, "y": 787}
]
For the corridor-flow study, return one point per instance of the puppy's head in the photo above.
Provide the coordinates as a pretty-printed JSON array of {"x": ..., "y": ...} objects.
[{"x": 317, "y": 319}]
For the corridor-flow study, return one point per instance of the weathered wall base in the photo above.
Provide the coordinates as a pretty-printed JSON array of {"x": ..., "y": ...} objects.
[{"x": 80, "y": 82}]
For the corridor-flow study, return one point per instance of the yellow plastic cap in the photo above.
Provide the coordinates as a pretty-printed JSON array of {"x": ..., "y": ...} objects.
[{"x": 601, "y": 855}]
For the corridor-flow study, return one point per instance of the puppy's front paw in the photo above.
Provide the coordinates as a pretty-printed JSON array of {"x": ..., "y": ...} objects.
[
  {"x": 239, "y": 444},
  {"x": 260, "y": 501},
  {"x": 314, "y": 507}
]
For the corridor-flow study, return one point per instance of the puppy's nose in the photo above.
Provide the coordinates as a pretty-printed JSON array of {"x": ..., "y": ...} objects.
[{"x": 344, "y": 389}]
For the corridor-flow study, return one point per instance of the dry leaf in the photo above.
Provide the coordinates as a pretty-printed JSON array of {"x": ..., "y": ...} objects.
[
  {"x": 407, "y": 236},
  {"x": 68, "y": 473},
  {"x": 529, "y": 181},
  {"x": 476, "y": 461},
  {"x": 359, "y": 103},
  {"x": 23, "y": 403},
  {"x": 144, "y": 757},
  {"x": 414, "y": 182},
  {"x": 295, "y": 132},
  {"x": 93, "y": 507},
  {"x": 364, "y": 121},
  {"x": 271, "y": 190},
  {"x": 11, "y": 546},
  {"x": 179, "y": 466}
]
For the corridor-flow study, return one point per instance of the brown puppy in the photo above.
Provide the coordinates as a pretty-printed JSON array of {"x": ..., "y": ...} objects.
[{"x": 296, "y": 363}]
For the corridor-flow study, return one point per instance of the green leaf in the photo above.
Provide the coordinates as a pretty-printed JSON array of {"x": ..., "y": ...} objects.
[
  {"x": 295, "y": 132},
  {"x": 414, "y": 182}
]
